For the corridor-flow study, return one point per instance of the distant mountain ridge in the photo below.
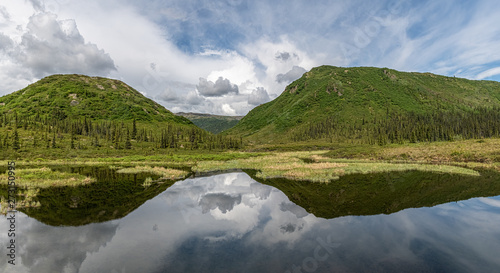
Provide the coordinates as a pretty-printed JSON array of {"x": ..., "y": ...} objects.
[
  {"x": 212, "y": 123},
  {"x": 351, "y": 103}
]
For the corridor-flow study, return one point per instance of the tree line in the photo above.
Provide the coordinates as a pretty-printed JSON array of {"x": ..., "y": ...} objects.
[
  {"x": 53, "y": 133},
  {"x": 410, "y": 127}
]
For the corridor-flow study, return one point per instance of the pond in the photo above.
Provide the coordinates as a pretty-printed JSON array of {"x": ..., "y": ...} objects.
[{"x": 393, "y": 222}]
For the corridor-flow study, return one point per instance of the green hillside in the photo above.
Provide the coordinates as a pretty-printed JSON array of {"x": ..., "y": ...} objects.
[
  {"x": 78, "y": 96},
  {"x": 75, "y": 115},
  {"x": 370, "y": 104},
  {"x": 212, "y": 123}
]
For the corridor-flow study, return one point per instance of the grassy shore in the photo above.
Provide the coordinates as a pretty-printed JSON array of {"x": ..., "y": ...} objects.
[
  {"x": 315, "y": 166},
  {"x": 321, "y": 162}
]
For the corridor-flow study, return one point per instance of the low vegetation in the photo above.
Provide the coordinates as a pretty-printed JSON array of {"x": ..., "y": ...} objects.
[
  {"x": 165, "y": 173},
  {"x": 314, "y": 166},
  {"x": 45, "y": 177}
]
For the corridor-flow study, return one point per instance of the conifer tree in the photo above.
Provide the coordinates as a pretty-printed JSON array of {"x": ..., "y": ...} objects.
[
  {"x": 6, "y": 140},
  {"x": 128, "y": 144},
  {"x": 15, "y": 140},
  {"x": 72, "y": 145},
  {"x": 134, "y": 129},
  {"x": 54, "y": 140}
]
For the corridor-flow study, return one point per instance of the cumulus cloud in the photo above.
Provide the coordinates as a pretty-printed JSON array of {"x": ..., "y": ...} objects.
[
  {"x": 55, "y": 46},
  {"x": 291, "y": 75},
  {"x": 168, "y": 95},
  {"x": 175, "y": 92},
  {"x": 220, "y": 88},
  {"x": 5, "y": 43},
  {"x": 258, "y": 96},
  {"x": 193, "y": 98}
]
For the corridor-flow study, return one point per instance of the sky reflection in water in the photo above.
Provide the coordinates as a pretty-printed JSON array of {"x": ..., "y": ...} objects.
[{"x": 231, "y": 223}]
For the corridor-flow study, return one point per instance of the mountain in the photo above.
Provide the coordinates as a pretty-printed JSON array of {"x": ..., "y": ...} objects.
[
  {"x": 212, "y": 123},
  {"x": 78, "y": 96},
  {"x": 367, "y": 103}
]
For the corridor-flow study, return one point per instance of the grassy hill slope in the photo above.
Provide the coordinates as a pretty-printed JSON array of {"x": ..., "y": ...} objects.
[
  {"x": 80, "y": 116},
  {"x": 78, "y": 96},
  {"x": 353, "y": 100}
]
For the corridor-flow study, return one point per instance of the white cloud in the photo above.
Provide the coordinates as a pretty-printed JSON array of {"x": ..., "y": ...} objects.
[
  {"x": 193, "y": 98},
  {"x": 295, "y": 73},
  {"x": 168, "y": 95},
  {"x": 34, "y": 44},
  {"x": 55, "y": 46},
  {"x": 258, "y": 96},
  {"x": 269, "y": 55},
  {"x": 220, "y": 88},
  {"x": 228, "y": 110}
]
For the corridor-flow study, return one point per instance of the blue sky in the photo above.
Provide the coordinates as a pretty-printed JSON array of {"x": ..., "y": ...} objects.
[{"x": 226, "y": 57}]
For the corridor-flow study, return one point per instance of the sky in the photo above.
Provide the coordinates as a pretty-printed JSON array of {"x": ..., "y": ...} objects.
[{"x": 228, "y": 56}]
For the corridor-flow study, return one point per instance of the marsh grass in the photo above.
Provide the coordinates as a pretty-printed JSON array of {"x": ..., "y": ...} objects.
[
  {"x": 292, "y": 165},
  {"x": 165, "y": 173},
  {"x": 473, "y": 150},
  {"x": 44, "y": 177}
]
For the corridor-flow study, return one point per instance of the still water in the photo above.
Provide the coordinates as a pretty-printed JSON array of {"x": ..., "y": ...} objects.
[{"x": 232, "y": 223}]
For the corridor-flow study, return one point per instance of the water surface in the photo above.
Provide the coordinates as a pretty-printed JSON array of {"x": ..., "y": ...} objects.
[{"x": 232, "y": 223}]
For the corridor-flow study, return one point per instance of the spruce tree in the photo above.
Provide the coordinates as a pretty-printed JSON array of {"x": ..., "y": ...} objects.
[
  {"x": 134, "y": 129},
  {"x": 116, "y": 139},
  {"x": 128, "y": 144},
  {"x": 6, "y": 140},
  {"x": 15, "y": 140},
  {"x": 72, "y": 145},
  {"x": 54, "y": 140}
]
